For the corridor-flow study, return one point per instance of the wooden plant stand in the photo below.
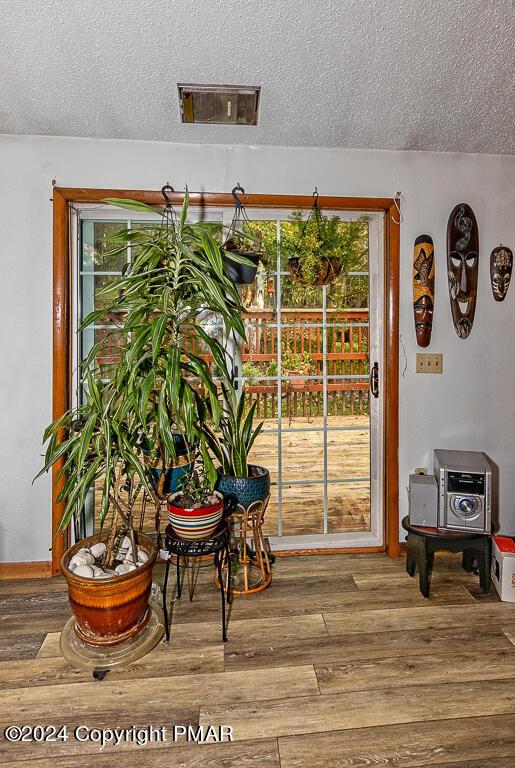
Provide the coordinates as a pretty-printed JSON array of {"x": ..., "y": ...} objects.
[
  {"x": 254, "y": 572},
  {"x": 424, "y": 542}
]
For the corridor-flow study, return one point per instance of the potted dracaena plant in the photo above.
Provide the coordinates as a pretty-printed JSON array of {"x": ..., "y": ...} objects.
[{"x": 148, "y": 417}]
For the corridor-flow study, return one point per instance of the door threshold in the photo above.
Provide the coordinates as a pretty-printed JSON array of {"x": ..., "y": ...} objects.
[
  {"x": 330, "y": 551},
  {"x": 355, "y": 541}
]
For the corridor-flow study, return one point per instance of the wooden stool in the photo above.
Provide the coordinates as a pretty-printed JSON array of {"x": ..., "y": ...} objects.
[
  {"x": 254, "y": 571},
  {"x": 424, "y": 542}
]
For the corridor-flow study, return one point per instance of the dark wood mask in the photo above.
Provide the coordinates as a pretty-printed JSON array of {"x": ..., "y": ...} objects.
[
  {"x": 462, "y": 267},
  {"x": 501, "y": 265},
  {"x": 423, "y": 288}
]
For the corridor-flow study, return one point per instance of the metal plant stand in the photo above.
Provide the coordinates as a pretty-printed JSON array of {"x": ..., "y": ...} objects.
[{"x": 216, "y": 546}]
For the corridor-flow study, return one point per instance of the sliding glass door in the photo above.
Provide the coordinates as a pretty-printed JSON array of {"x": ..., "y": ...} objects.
[{"x": 306, "y": 362}]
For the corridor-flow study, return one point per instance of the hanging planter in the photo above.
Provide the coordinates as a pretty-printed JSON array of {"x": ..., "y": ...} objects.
[
  {"x": 241, "y": 262},
  {"x": 324, "y": 273},
  {"x": 316, "y": 257}
]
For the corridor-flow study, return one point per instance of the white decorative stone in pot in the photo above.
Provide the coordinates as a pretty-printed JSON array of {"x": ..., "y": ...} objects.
[
  {"x": 82, "y": 558},
  {"x": 142, "y": 556},
  {"x": 84, "y": 570},
  {"x": 97, "y": 550},
  {"x": 125, "y": 568}
]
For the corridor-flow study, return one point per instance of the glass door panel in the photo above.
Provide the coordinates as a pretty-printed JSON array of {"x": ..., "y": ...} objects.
[{"x": 306, "y": 363}]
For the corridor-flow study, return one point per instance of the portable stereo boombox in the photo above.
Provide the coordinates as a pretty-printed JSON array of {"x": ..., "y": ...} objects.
[{"x": 458, "y": 496}]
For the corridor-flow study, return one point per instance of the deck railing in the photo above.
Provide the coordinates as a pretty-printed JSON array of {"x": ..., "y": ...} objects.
[{"x": 302, "y": 333}]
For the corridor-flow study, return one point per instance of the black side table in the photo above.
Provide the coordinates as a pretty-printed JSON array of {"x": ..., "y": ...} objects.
[
  {"x": 424, "y": 542},
  {"x": 217, "y": 545}
]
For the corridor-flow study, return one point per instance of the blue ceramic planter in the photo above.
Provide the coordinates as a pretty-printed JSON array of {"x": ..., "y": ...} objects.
[
  {"x": 246, "y": 489},
  {"x": 178, "y": 467},
  {"x": 173, "y": 477}
]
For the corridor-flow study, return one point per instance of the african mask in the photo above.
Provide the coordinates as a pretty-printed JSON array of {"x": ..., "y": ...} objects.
[
  {"x": 462, "y": 267},
  {"x": 501, "y": 263},
  {"x": 423, "y": 288}
]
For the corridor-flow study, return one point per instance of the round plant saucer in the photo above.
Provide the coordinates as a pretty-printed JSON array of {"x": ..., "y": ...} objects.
[{"x": 99, "y": 659}]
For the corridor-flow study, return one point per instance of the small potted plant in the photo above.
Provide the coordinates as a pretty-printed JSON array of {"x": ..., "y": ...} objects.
[
  {"x": 297, "y": 364},
  {"x": 230, "y": 444},
  {"x": 195, "y": 511}
]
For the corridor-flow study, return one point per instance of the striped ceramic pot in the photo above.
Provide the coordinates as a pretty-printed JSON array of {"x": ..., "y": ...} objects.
[{"x": 199, "y": 523}]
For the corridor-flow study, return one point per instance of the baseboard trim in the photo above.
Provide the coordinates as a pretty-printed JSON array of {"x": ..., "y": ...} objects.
[{"x": 37, "y": 569}]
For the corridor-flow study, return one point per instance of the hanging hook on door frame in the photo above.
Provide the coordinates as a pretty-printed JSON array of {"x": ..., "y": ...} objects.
[
  {"x": 237, "y": 188},
  {"x": 398, "y": 197},
  {"x": 168, "y": 200}
]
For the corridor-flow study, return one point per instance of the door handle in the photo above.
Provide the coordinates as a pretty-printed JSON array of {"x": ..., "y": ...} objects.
[{"x": 374, "y": 380}]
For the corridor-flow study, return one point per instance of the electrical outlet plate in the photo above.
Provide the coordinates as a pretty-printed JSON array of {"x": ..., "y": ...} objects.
[{"x": 429, "y": 363}]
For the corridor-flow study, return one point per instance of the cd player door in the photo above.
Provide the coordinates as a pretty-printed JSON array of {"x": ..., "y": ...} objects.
[{"x": 465, "y": 511}]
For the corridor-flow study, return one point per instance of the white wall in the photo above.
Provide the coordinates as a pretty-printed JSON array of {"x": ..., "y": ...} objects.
[{"x": 470, "y": 406}]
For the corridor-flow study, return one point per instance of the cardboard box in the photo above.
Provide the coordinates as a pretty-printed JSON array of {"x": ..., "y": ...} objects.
[{"x": 503, "y": 567}]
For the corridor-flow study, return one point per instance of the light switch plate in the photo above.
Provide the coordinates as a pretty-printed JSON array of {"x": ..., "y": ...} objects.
[{"x": 429, "y": 363}]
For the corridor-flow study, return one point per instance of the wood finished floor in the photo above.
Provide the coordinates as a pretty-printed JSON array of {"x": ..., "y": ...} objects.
[{"x": 341, "y": 663}]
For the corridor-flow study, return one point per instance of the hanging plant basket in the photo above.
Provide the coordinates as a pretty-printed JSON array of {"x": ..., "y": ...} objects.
[
  {"x": 240, "y": 262},
  {"x": 240, "y": 273},
  {"x": 313, "y": 261},
  {"x": 329, "y": 268}
]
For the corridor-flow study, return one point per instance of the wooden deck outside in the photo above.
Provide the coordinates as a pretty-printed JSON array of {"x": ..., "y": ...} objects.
[
  {"x": 341, "y": 662},
  {"x": 302, "y": 459}
]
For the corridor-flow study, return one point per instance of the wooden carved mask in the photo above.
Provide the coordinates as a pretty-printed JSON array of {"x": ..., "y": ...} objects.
[
  {"x": 501, "y": 264},
  {"x": 462, "y": 267},
  {"x": 423, "y": 288}
]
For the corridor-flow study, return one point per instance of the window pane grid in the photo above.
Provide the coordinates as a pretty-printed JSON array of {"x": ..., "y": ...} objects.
[{"x": 281, "y": 324}]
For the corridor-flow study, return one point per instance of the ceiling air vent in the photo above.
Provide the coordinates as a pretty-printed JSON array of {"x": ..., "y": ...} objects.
[{"x": 219, "y": 104}]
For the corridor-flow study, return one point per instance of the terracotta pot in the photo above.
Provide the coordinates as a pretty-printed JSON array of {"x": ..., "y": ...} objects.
[
  {"x": 295, "y": 384},
  {"x": 109, "y": 611}
]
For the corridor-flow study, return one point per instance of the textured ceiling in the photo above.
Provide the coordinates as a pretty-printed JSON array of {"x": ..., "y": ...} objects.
[{"x": 388, "y": 74}]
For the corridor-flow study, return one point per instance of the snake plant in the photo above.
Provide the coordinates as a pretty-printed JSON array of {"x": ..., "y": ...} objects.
[{"x": 231, "y": 442}]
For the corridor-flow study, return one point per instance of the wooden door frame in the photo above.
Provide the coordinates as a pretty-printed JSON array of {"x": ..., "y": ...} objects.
[{"x": 63, "y": 200}]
